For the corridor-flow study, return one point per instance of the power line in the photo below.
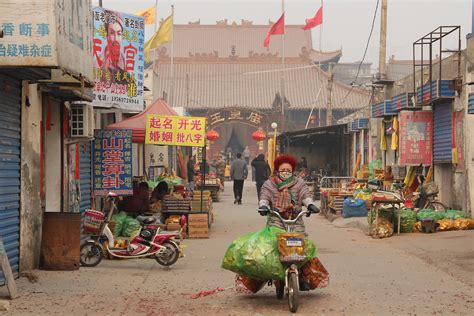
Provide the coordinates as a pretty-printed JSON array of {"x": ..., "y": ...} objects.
[{"x": 365, "y": 51}]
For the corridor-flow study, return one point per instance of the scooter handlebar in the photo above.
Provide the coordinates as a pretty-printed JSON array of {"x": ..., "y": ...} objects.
[{"x": 263, "y": 210}]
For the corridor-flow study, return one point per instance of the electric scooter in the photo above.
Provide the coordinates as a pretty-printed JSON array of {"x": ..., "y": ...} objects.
[
  {"x": 164, "y": 247},
  {"x": 290, "y": 260}
]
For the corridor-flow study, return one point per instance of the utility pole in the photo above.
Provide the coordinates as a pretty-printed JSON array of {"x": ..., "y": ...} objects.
[
  {"x": 100, "y": 3},
  {"x": 383, "y": 41},
  {"x": 329, "y": 102}
]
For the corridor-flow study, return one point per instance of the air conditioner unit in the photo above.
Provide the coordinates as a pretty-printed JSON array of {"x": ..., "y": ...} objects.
[{"x": 81, "y": 121}]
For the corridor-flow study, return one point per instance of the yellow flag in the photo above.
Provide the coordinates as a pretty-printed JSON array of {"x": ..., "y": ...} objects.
[
  {"x": 383, "y": 141},
  {"x": 148, "y": 14},
  {"x": 163, "y": 35},
  {"x": 394, "y": 144}
]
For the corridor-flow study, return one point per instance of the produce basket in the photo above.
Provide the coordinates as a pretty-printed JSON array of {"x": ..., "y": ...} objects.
[{"x": 430, "y": 188}]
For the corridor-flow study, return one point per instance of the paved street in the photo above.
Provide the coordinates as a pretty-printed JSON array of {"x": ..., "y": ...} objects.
[{"x": 411, "y": 274}]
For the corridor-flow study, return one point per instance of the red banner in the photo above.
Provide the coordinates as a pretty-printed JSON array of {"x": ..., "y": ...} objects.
[{"x": 416, "y": 138}]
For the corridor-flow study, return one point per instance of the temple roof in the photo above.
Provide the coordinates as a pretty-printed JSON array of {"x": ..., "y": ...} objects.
[{"x": 253, "y": 85}]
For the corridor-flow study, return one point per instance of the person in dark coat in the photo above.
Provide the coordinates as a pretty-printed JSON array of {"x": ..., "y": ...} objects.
[
  {"x": 262, "y": 172},
  {"x": 190, "y": 173},
  {"x": 238, "y": 173}
]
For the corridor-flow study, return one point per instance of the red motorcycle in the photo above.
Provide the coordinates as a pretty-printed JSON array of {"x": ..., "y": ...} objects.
[{"x": 150, "y": 242}]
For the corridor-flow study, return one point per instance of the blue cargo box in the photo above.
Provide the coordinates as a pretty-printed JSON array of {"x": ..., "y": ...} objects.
[
  {"x": 382, "y": 109},
  {"x": 470, "y": 104},
  {"x": 352, "y": 127},
  {"x": 440, "y": 89},
  {"x": 404, "y": 101}
]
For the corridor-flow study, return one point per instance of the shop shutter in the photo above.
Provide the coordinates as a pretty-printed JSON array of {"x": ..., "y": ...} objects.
[
  {"x": 442, "y": 132},
  {"x": 10, "y": 145},
  {"x": 85, "y": 164}
]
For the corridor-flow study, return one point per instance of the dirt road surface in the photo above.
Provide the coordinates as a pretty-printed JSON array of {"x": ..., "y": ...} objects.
[{"x": 411, "y": 274}]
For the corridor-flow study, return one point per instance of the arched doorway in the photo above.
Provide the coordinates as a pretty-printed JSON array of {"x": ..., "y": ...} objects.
[{"x": 235, "y": 127}]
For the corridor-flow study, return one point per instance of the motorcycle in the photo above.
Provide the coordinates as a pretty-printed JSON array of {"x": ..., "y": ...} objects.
[
  {"x": 291, "y": 259},
  {"x": 150, "y": 242}
]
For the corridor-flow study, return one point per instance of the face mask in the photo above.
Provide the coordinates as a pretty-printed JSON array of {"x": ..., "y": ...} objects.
[{"x": 284, "y": 175}]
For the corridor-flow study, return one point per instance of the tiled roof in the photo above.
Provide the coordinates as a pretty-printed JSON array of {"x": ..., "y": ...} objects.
[
  {"x": 242, "y": 41},
  {"x": 253, "y": 85}
]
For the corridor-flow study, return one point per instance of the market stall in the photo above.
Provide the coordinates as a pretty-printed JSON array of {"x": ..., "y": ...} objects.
[{"x": 159, "y": 124}]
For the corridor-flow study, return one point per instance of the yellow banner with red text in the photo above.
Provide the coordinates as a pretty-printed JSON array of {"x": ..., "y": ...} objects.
[{"x": 175, "y": 130}]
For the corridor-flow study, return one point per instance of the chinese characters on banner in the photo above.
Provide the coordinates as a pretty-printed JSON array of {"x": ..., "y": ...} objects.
[
  {"x": 416, "y": 133},
  {"x": 175, "y": 130},
  {"x": 224, "y": 116},
  {"x": 118, "y": 59},
  {"x": 31, "y": 38},
  {"x": 113, "y": 162}
]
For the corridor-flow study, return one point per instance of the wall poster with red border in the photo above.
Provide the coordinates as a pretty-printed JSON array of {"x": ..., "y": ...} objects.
[{"x": 416, "y": 137}]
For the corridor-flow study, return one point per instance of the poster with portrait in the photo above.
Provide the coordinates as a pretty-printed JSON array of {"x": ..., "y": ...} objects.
[
  {"x": 416, "y": 133},
  {"x": 118, "y": 59}
]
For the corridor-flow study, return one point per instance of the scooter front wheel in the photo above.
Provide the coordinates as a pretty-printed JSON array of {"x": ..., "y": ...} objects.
[
  {"x": 91, "y": 254},
  {"x": 168, "y": 256},
  {"x": 293, "y": 292}
]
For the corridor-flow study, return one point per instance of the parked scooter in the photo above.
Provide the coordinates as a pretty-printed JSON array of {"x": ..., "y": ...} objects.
[
  {"x": 150, "y": 242},
  {"x": 291, "y": 259}
]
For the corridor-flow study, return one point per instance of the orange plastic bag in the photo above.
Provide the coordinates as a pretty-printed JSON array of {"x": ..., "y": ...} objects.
[
  {"x": 245, "y": 284},
  {"x": 316, "y": 274}
]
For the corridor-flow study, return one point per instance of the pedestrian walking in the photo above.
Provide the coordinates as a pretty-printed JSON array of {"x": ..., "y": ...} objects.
[
  {"x": 191, "y": 173},
  {"x": 247, "y": 154},
  {"x": 238, "y": 173},
  {"x": 262, "y": 172},
  {"x": 219, "y": 165}
]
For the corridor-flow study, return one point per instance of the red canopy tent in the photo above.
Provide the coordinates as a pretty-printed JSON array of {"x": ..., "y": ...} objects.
[{"x": 137, "y": 123}]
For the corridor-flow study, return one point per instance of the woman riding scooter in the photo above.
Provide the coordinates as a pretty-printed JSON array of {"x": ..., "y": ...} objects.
[{"x": 288, "y": 193}]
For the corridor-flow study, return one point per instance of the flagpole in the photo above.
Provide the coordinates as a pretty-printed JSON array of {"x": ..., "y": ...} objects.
[
  {"x": 319, "y": 62},
  {"x": 283, "y": 66},
  {"x": 154, "y": 51},
  {"x": 172, "y": 57}
]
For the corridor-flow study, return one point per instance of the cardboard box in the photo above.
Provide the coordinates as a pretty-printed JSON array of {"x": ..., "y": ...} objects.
[
  {"x": 198, "y": 218},
  {"x": 198, "y": 231}
]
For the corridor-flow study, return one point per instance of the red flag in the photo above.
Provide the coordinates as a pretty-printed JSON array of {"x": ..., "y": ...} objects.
[
  {"x": 315, "y": 20},
  {"x": 277, "y": 29}
]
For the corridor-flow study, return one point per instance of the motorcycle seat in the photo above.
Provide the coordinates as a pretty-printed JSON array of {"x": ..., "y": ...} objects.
[{"x": 146, "y": 219}]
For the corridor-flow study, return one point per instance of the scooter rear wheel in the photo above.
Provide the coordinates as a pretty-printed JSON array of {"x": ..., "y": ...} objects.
[
  {"x": 91, "y": 254},
  {"x": 293, "y": 292},
  {"x": 168, "y": 256}
]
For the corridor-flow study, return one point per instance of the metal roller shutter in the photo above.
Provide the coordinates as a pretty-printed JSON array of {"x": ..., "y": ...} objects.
[
  {"x": 442, "y": 133},
  {"x": 85, "y": 164},
  {"x": 10, "y": 145}
]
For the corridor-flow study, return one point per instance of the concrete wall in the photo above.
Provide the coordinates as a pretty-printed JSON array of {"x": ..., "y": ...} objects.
[
  {"x": 468, "y": 131},
  {"x": 31, "y": 212},
  {"x": 52, "y": 163}
]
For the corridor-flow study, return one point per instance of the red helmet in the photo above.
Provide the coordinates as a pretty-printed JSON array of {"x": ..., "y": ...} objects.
[{"x": 284, "y": 159}]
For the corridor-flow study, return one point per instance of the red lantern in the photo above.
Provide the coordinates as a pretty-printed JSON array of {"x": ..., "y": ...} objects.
[
  {"x": 259, "y": 135},
  {"x": 212, "y": 135}
]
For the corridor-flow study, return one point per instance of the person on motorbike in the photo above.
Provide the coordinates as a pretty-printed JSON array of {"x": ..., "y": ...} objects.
[{"x": 286, "y": 193}]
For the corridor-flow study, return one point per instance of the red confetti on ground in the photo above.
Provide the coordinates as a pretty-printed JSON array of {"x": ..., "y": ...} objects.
[{"x": 207, "y": 292}]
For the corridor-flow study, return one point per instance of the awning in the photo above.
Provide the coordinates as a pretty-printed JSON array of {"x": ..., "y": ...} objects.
[{"x": 137, "y": 123}]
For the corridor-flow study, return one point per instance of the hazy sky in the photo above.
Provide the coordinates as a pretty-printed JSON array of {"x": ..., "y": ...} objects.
[{"x": 346, "y": 22}]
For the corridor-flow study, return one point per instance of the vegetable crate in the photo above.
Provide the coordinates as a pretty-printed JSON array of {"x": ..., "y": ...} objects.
[{"x": 198, "y": 225}]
